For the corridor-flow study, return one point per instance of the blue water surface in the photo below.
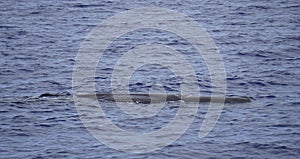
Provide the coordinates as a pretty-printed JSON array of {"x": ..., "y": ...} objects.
[{"x": 257, "y": 39}]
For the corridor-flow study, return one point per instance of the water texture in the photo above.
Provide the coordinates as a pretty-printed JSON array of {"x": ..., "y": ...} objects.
[{"x": 258, "y": 41}]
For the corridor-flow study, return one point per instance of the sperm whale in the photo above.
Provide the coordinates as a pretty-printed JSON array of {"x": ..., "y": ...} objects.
[{"x": 155, "y": 98}]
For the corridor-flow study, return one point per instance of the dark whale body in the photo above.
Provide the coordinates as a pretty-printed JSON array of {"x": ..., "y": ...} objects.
[{"x": 156, "y": 98}]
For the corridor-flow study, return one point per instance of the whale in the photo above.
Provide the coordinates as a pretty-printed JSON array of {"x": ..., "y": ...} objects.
[{"x": 156, "y": 98}]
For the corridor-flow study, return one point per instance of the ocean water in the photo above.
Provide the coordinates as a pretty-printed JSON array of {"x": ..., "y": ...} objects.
[{"x": 258, "y": 42}]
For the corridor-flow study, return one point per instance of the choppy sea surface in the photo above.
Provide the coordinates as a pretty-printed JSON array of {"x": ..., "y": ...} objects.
[{"x": 259, "y": 41}]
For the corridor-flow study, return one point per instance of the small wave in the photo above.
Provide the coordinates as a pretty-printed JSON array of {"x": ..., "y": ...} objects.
[
  {"x": 285, "y": 125},
  {"x": 87, "y": 5}
]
